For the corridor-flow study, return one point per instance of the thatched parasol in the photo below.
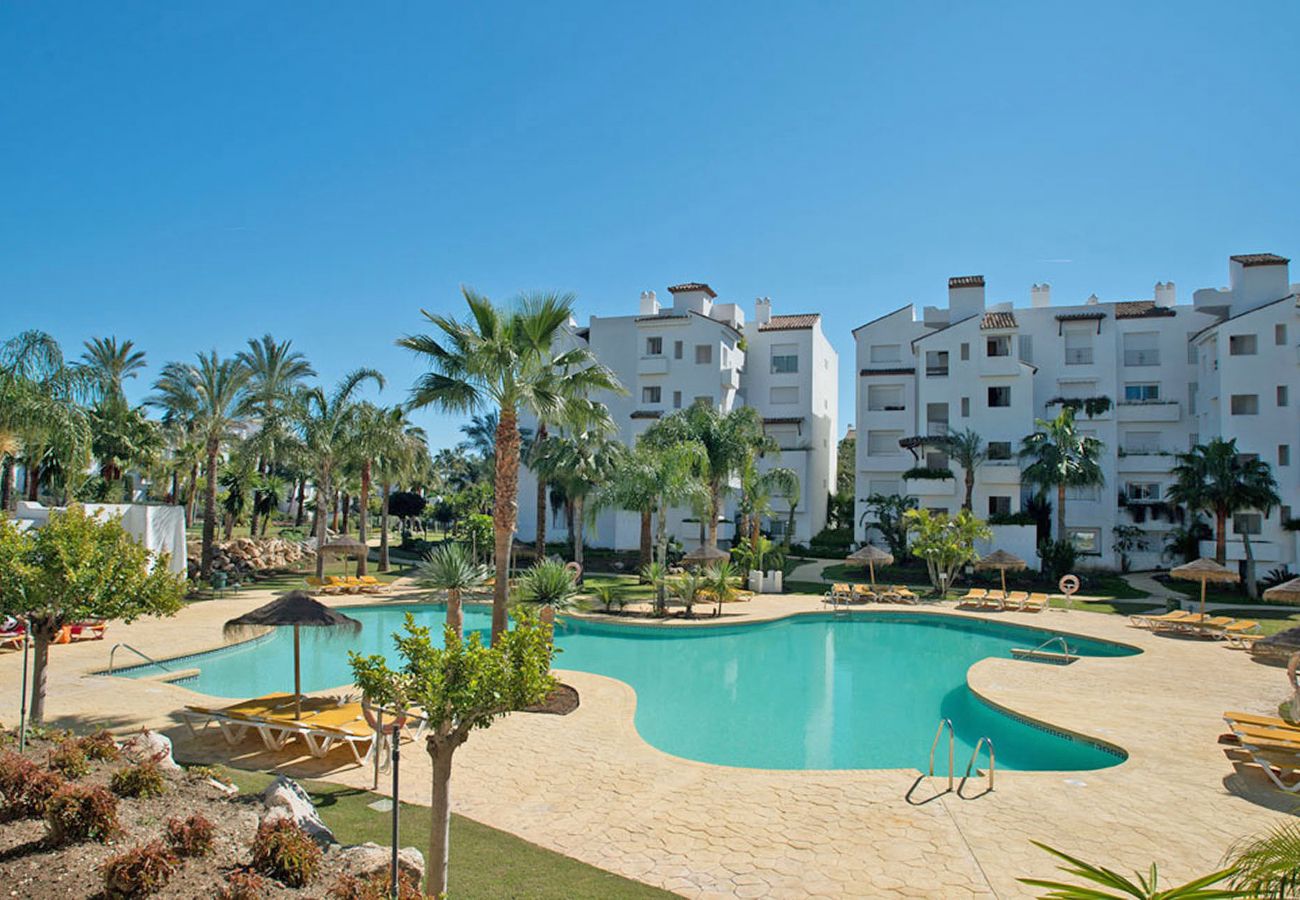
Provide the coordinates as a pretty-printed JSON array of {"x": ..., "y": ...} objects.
[
  {"x": 871, "y": 554},
  {"x": 1002, "y": 560},
  {"x": 344, "y": 546},
  {"x": 1286, "y": 592},
  {"x": 300, "y": 610},
  {"x": 1204, "y": 570},
  {"x": 705, "y": 554}
]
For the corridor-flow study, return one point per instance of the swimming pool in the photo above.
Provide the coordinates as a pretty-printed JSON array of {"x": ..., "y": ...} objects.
[{"x": 805, "y": 692}]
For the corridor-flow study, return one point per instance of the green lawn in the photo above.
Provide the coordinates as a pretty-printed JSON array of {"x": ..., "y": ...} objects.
[
  {"x": 288, "y": 580},
  {"x": 485, "y": 862}
]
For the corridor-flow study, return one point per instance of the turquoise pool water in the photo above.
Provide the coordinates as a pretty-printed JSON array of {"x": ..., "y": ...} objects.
[{"x": 807, "y": 692}]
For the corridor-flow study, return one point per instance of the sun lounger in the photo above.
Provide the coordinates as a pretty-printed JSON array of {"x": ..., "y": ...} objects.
[
  {"x": 972, "y": 597},
  {"x": 87, "y": 631},
  {"x": 1146, "y": 621},
  {"x": 864, "y": 594},
  {"x": 1238, "y": 641},
  {"x": 1036, "y": 603},
  {"x": 902, "y": 594},
  {"x": 324, "y": 587},
  {"x": 1236, "y": 627},
  {"x": 1015, "y": 600},
  {"x": 992, "y": 600},
  {"x": 1274, "y": 747},
  {"x": 1189, "y": 622},
  {"x": 12, "y": 639},
  {"x": 839, "y": 593},
  {"x": 372, "y": 584},
  {"x": 1259, "y": 721},
  {"x": 341, "y": 583}
]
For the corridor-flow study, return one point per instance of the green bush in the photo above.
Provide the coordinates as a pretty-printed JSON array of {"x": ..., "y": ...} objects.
[
  {"x": 138, "y": 872},
  {"x": 286, "y": 852},
  {"x": 191, "y": 837},
  {"x": 81, "y": 813},
  {"x": 1018, "y": 518},
  {"x": 99, "y": 746},
  {"x": 242, "y": 884},
  {"x": 142, "y": 780},
  {"x": 351, "y": 887},
  {"x": 926, "y": 473},
  {"x": 69, "y": 760},
  {"x": 1058, "y": 558},
  {"x": 25, "y": 788}
]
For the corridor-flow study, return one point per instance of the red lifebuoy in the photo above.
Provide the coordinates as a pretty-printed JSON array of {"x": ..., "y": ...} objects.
[{"x": 393, "y": 725}]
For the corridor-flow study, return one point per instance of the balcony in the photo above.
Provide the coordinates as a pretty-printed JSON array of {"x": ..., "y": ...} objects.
[
  {"x": 928, "y": 486},
  {"x": 652, "y": 365},
  {"x": 937, "y": 428},
  {"x": 998, "y": 366},
  {"x": 1141, "y": 460},
  {"x": 936, "y": 371},
  {"x": 730, "y": 379},
  {"x": 1078, "y": 356},
  {"x": 1149, "y": 411},
  {"x": 998, "y": 472},
  {"x": 1141, "y": 357}
]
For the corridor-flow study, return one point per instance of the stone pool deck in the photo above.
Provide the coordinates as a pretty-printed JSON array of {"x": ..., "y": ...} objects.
[{"x": 588, "y": 786}]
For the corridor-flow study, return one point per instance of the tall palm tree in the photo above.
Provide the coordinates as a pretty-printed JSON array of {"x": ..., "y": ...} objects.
[
  {"x": 580, "y": 464},
  {"x": 213, "y": 392},
  {"x": 1220, "y": 480},
  {"x": 966, "y": 448},
  {"x": 403, "y": 454},
  {"x": 276, "y": 372},
  {"x": 1060, "y": 457},
  {"x": 505, "y": 360},
  {"x": 759, "y": 488},
  {"x": 184, "y": 450},
  {"x": 729, "y": 440},
  {"x": 327, "y": 422},
  {"x": 110, "y": 363}
]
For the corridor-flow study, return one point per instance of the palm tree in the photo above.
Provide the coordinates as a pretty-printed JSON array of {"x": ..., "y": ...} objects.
[
  {"x": 184, "y": 451},
  {"x": 504, "y": 360},
  {"x": 214, "y": 394},
  {"x": 1060, "y": 457},
  {"x": 722, "y": 583},
  {"x": 327, "y": 423},
  {"x": 549, "y": 585},
  {"x": 729, "y": 441},
  {"x": 1269, "y": 866},
  {"x": 966, "y": 448},
  {"x": 401, "y": 451},
  {"x": 110, "y": 363},
  {"x": 757, "y": 490},
  {"x": 688, "y": 588},
  {"x": 450, "y": 568},
  {"x": 580, "y": 464},
  {"x": 1218, "y": 479}
]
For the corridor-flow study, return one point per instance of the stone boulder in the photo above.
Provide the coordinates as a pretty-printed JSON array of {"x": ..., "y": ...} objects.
[
  {"x": 364, "y": 860},
  {"x": 284, "y": 798},
  {"x": 150, "y": 746}
]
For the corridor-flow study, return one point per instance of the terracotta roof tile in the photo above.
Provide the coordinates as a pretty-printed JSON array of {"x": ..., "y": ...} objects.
[
  {"x": 998, "y": 320},
  {"x": 783, "y": 420},
  {"x": 962, "y": 281},
  {"x": 1141, "y": 309},
  {"x": 686, "y": 286},
  {"x": 790, "y": 323},
  {"x": 1080, "y": 316},
  {"x": 1260, "y": 259}
]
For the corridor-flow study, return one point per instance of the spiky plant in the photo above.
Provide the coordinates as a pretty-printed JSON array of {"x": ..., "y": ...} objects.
[
  {"x": 548, "y": 583},
  {"x": 607, "y": 594},
  {"x": 451, "y": 568},
  {"x": 1268, "y": 867},
  {"x": 656, "y": 575},
  {"x": 1114, "y": 886},
  {"x": 722, "y": 580},
  {"x": 688, "y": 587}
]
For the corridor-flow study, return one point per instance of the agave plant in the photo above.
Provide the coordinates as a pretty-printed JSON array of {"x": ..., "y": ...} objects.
[
  {"x": 453, "y": 569},
  {"x": 688, "y": 587},
  {"x": 656, "y": 575},
  {"x": 1114, "y": 886},
  {"x": 549, "y": 583},
  {"x": 722, "y": 583}
]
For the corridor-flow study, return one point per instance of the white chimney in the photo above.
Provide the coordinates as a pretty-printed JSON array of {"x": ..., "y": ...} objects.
[
  {"x": 1165, "y": 293},
  {"x": 1040, "y": 295},
  {"x": 1092, "y": 300},
  {"x": 649, "y": 304},
  {"x": 966, "y": 295},
  {"x": 763, "y": 310}
]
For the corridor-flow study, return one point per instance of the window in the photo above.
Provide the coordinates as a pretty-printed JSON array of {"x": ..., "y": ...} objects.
[
  {"x": 883, "y": 443},
  {"x": 785, "y": 359},
  {"x": 677, "y": 349},
  {"x": 776, "y": 527},
  {"x": 1137, "y": 393},
  {"x": 886, "y": 353},
  {"x": 1284, "y": 454},
  {"x": 884, "y": 487},
  {"x": 936, "y": 363},
  {"x": 1247, "y": 523},
  {"x": 1027, "y": 348},
  {"x": 784, "y": 395},
  {"x": 885, "y": 397},
  {"x": 723, "y": 357},
  {"x": 1086, "y": 540},
  {"x": 1078, "y": 345},
  {"x": 965, "y": 352},
  {"x": 1090, "y": 493},
  {"x": 677, "y": 399},
  {"x": 1244, "y": 404},
  {"x": 1142, "y": 490},
  {"x": 998, "y": 345},
  {"x": 999, "y": 396},
  {"x": 651, "y": 394},
  {"x": 1242, "y": 345},
  {"x": 999, "y": 451},
  {"x": 654, "y": 346},
  {"x": 999, "y": 506},
  {"x": 1282, "y": 398},
  {"x": 1141, "y": 442},
  {"x": 936, "y": 459},
  {"x": 703, "y": 354},
  {"x": 1192, "y": 390},
  {"x": 936, "y": 418},
  {"x": 1279, "y": 335},
  {"x": 703, "y": 400},
  {"x": 1283, "y": 513},
  {"x": 965, "y": 407},
  {"x": 1191, "y": 349},
  {"x": 1142, "y": 348}
]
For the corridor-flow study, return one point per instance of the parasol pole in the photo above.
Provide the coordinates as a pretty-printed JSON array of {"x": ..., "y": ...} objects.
[
  {"x": 1003, "y": 570},
  {"x": 872, "y": 566},
  {"x": 1203, "y": 581},
  {"x": 297, "y": 678}
]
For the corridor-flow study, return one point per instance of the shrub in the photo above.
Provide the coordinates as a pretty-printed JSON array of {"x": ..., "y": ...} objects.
[
  {"x": 143, "y": 780},
  {"x": 1017, "y": 518},
  {"x": 191, "y": 837},
  {"x": 1058, "y": 558},
  {"x": 25, "y": 787},
  {"x": 69, "y": 760},
  {"x": 285, "y": 852},
  {"x": 99, "y": 746},
  {"x": 351, "y": 887},
  {"x": 138, "y": 872},
  {"x": 926, "y": 473},
  {"x": 81, "y": 813},
  {"x": 242, "y": 884}
]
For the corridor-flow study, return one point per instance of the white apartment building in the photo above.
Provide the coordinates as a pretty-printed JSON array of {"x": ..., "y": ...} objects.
[
  {"x": 698, "y": 350},
  {"x": 1160, "y": 377}
]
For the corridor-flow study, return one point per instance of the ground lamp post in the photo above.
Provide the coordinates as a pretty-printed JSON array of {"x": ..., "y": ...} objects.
[
  {"x": 871, "y": 554},
  {"x": 1002, "y": 560},
  {"x": 297, "y": 609},
  {"x": 1204, "y": 570}
]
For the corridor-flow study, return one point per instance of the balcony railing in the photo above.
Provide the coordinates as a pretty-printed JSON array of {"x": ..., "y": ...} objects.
[
  {"x": 1141, "y": 357},
  {"x": 1078, "y": 356},
  {"x": 936, "y": 371}
]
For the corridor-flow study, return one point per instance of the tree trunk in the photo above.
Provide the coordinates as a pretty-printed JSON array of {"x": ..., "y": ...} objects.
[
  {"x": 347, "y": 508},
  {"x": 505, "y": 512},
  {"x": 711, "y": 526},
  {"x": 440, "y": 820},
  {"x": 789, "y": 527},
  {"x": 175, "y": 495},
  {"x": 300, "y": 514},
  {"x": 41, "y": 637},
  {"x": 541, "y": 498},
  {"x": 333, "y": 502},
  {"x": 209, "y": 509},
  {"x": 647, "y": 539},
  {"x": 363, "y": 514},
  {"x": 191, "y": 496},
  {"x": 1252, "y": 589},
  {"x": 383, "y": 528},
  {"x": 1220, "y": 536},
  {"x": 7, "y": 486},
  {"x": 230, "y": 525},
  {"x": 455, "y": 612},
  {"x": 32, "y": 474},
  {"x": 1060, "y": 512},
  {"x": 322, "y": 491},
  {"x": 579, "y": 526},
  {"x": 753, "y": 533},
  {"x": 661, "y": 538},
  {"x": 970, "y": 488}
]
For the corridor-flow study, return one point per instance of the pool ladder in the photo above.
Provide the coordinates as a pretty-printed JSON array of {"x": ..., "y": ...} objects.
[
  {"x": 1042, "y": 654},
  {"x": 146, "y": 657},
  {"x": 985, "y": 741}
]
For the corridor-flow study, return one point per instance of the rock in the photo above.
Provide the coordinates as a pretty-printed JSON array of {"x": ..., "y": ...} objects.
[
  {"x": 284, "y": 798},
  {"x": 368, "y": 859},
  {"x": 150, "y": 746}
]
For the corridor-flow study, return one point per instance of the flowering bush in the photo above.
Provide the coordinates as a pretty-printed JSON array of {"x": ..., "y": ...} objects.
[
  {"x": 242, "y": 884},
  {"x": 191, "y": 837},
  {"x": 81, "y": 813},
  {"x": 69, "y": 760},
  {"x": 99, "y": 746},
  {"x": 142, "y": 780},
  {"x": 138, "y": 872},
  {"x": 285, "y": 852}
]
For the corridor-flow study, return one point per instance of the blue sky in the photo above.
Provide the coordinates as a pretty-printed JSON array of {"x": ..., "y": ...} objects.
[{"x": 188, "y": 175}]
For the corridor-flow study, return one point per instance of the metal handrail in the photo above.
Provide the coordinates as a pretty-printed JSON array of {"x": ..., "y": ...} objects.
[
  {"x": 993, "y": 763},
  {"x": 146, "y": 657},
  {"x": 938, "y": 733},
  {"x": 1058, "y": 639}
]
